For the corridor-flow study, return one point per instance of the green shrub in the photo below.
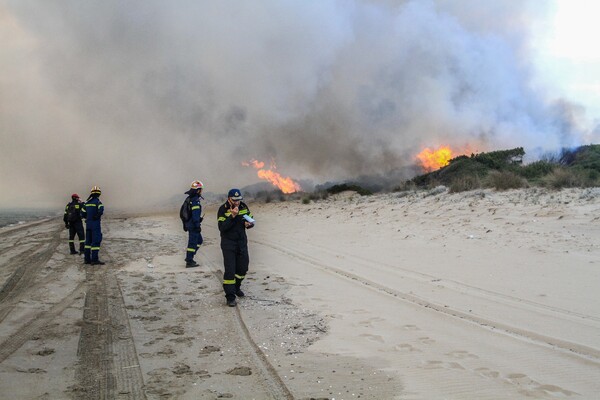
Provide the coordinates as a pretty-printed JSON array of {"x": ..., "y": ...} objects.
[
  {"x": 537, "y": 170},
  {"x": 305, "y": 200},
  {"x": 504, "y": 180},
  {"x": 562, "y": 178},
  {"x": 464, "y": 183}
]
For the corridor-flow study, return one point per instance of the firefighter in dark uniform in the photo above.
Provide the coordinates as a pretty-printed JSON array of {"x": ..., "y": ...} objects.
[
  {"x": 233, "y": 219},
  {"x": 74, "y": 223},
  {"x": 193, "y": 225},
  {"x": 92, "y": 212}
]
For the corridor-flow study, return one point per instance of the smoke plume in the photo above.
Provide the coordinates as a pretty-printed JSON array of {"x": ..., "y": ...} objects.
[{"x": 142, "y": 97}]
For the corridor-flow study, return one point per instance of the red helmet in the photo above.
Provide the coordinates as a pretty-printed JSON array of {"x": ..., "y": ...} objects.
[{"x": 74, "y": 196}]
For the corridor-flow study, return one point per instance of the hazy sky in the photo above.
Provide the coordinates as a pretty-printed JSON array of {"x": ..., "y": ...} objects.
[{"x": 142, "y": 97}]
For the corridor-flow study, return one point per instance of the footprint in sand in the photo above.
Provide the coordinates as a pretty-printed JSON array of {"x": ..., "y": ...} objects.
[
  {"x": 240, "y": 371},
  {"x": 369, "y": 322},
  {"x": 373, "y": 338},
  {"x": 435, "y": 364},
  {"x": 209, "y": 349},
  {"x": 406, "y": 348},
  {"x": 461, "y": 354},
  {"x": 426, "y": 340},
  {"x": 411, "y": 327},
  {"x": 486, "y": 372}
]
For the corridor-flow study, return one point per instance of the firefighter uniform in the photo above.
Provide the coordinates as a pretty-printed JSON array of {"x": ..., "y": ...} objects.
[
  {"x": 74, "y": 223},
  {"x": 234, "y": 245},
  {"x": 193, "y": 225},
  {"x": 92, "y": 212}
]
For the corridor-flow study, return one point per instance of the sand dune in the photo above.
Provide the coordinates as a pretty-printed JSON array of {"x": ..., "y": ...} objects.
[{"x": 417, "y": 295}]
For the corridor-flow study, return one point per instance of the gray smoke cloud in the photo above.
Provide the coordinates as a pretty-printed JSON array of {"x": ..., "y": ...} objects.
[{"x": 142, "y": 97}]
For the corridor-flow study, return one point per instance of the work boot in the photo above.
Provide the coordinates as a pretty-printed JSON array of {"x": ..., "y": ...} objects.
[
  {"x": 231, "y": 303},
  {"x": 98, "y": 262},
  {"x": 87, "y": 262},
  {"x": 239, "y": 293},
  {"x": 74, "y": 252},
  {"x": 191, "y": 264}
]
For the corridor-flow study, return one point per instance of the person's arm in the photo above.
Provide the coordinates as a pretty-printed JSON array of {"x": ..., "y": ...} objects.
[
  {"x": 196, "y": 214},
  {"x": 224, "y": 219},
  {"x": 246, "y": 211},
  {"x": 100, "y": 209}
]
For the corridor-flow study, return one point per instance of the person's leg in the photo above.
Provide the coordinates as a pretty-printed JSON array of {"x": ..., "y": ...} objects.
[
  {"x": 88, "y": 246},
  {"x": 241, "y": 268},
  {"x": 81, "y": 236},
  {"x": 192, "y": 247},
  {"x": 96, "y": 240},
  {"x": 229, "y": 260},
  {"x": 72, "y": 231}
]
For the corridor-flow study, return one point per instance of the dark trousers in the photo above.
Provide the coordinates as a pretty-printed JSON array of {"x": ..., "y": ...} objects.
[
  {"x": 194, "y": 241},
  {"x": 92, "y": 243},
  {"x": 236, "y": 261},
  {"x": 76, "y": 228}
]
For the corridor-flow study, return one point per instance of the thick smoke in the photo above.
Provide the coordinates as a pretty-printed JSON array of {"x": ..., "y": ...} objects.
[{"x": 142, "y": 97}]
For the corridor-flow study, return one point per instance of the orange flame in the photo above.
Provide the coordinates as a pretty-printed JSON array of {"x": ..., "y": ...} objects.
[
  {"x": 285, "y": 184},
  {"x": 435, "y": 159}
]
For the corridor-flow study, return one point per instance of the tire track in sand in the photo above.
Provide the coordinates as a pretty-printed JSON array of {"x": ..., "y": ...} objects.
[
  {"x": 585, "y": 352},
  {"x": 276, "y": 386},
  {"x": 109, "y": 366}
]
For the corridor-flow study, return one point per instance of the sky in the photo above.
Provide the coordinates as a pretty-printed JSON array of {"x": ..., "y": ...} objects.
[{"x": 142, "y": 97}]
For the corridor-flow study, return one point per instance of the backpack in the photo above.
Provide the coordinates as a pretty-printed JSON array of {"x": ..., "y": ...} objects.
[
  {"x": 185, "y": 213},
  {"x": 72, "y": 212}
]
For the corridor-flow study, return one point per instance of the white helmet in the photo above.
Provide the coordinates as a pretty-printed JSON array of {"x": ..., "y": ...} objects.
[{"x": 196, "y": 185}]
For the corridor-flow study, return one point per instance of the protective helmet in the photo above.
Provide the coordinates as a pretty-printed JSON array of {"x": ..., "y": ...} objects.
[
  {"x": 96, "y": 190},
  {"x": 196, "y": 185},
  {"x": 74, "y": 196}
]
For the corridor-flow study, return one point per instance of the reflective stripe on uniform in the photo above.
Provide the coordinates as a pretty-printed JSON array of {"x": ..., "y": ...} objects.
[
  {"x": 221, "y": 219},
  {"x": 240, "y": 277},
  {"x": 88, "y": 247},
  {"x": 195, "y": 207},
  {"x": 71, "y": 241},
  {"x": 228, "y": 281},
  {"x": 95, "y": 248},
  {"x": 191, "y": 250},
  {"x": 91, "y": 205}
]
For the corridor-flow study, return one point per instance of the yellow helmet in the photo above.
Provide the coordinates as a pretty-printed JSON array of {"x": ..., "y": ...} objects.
[
  {"x": 196, "y": 185},
  {"x": 96, "y": 190}
]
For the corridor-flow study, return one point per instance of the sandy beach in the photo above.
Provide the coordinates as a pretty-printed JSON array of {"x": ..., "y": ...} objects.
[{"x": 408, "y": 295}]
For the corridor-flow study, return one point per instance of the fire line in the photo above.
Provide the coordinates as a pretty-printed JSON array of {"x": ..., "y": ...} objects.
[{"x": 285, "y": 184}]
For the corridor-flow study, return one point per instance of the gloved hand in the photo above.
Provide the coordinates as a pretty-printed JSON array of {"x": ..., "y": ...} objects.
[
  {"x": 67, "y": 225},
  {"x": 201, "y": 219}
]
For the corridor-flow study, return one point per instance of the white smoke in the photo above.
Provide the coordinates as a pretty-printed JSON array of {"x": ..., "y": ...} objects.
[{"x": 142, "y": 97}]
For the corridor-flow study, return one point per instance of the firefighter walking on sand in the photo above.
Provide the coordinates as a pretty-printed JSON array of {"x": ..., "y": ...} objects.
[
  {"x": 74, "y": 223},
  {"x": 233, "y": 218},
  {"x": 92, "y": 212},
  {"x": 191, "y": 216}
]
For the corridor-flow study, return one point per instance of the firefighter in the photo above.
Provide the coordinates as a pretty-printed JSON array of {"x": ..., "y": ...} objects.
[
  {"x": 234, "y": 243},
  {"x": 192, "y": 219},
  {"x": 92, "y": 212},
  {"x": 74, "y": 223}
]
